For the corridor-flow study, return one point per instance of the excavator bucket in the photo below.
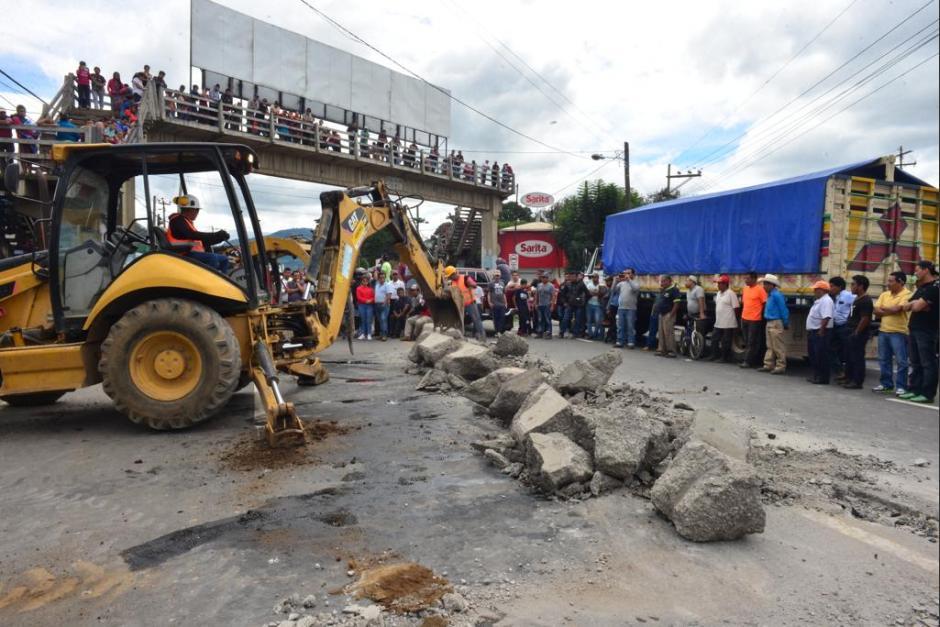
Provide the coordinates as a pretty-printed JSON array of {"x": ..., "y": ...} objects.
[{"x": 447, "y": 309}]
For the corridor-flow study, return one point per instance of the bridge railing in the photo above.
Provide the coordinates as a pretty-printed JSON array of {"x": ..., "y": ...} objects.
[
  {"x": 307, "y": 133},
  {"x": 288, "y": 129},
  {"x": 33, "y": 141}
]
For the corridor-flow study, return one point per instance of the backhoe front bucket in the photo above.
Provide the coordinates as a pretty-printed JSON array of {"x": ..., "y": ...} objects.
[{"x": 447, "y": 310}]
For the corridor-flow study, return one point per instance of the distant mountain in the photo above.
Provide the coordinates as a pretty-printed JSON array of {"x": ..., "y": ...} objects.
[{"x": 307, "y": 233}]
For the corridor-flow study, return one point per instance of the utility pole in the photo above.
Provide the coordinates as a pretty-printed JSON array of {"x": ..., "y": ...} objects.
[
  {"x": 679, "y": 175},
  {"x": 901, "y": 153},
  {"x": 626, "y": 174}
]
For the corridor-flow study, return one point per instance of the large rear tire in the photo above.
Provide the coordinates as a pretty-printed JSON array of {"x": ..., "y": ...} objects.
[
  {"x": 170, "y": 363},
  {"x": 36, "y": 399}
]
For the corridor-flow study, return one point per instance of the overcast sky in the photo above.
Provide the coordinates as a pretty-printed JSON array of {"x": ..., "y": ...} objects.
[{"x": 695, "y": 84}]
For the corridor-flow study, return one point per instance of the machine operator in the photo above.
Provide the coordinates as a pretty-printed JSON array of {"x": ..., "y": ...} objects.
[{"x": 182, "y": 230}]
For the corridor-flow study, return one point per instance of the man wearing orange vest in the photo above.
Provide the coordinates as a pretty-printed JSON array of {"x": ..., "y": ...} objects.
[
  {"x": 182, "y": 230},
  {"x": 465, "y": 284}
]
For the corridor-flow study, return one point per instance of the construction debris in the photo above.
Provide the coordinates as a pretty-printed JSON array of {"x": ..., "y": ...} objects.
[
  {"x": 709, "y": 496},
  {"x": 574, "y": 436}
]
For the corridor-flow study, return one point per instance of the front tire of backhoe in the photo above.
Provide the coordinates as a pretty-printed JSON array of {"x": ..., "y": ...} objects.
[{"x": 170, "y": 363}]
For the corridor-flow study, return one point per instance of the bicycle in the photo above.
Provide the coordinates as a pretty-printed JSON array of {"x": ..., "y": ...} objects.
[{"x": 692, "y": 342}]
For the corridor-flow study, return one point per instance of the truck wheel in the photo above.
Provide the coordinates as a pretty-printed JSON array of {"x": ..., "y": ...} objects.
[
  {"x": 36, "y": 399},
  {"x": 170, "y": 363}
]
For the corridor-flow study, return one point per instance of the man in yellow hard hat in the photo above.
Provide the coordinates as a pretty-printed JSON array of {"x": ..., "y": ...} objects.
[
  {"x": 466, "y": 284},
  {"x": 182, "y": 230}
]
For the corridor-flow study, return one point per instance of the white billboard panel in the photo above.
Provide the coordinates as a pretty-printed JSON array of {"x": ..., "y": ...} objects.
[{"x": 234, "y": 45}]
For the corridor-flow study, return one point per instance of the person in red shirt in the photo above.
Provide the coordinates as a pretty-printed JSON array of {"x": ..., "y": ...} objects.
[
  {"x": 753, "y": 297},
  {"x": 83, "y": 81},
  {"x": 116, "y": 91},
  {"x": 365, "y": 299}
]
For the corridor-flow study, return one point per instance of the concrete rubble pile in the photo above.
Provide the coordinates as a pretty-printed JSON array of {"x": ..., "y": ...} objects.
[{"x": 574, "y": 435}]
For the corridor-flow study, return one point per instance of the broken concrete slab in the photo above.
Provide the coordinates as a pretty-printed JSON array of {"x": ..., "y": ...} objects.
[
  {"x": 554, "y": 461},
  {"x": 580, "y": 376},
  {"x": 499, "y": 442},
  {"x": 434, "y": 347},
  {"x": 433, "y": 381},
  {"x": 483, "y": 391},
  {"x": 709, "y": 496},
  {"x": 601, "y": 483},
  {"x": 456, "y": 383},
  {"x": 547, "y": 411},
  {"x": 619, "y": 450},
  {"x": 469, "y": 361},
  {"x": 454, "y": 333},
  {"x": 496, "y": 458},
  {"x": 510, "y": 345},
  {"x": 513, "y": 393},
  {"x": 727, "y": 435},
  {"x": 607, "y": 361}
]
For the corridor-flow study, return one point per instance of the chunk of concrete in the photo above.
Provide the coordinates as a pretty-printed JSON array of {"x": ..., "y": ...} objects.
[
  {"x": 510, "y": 345},
  {"x": 726, "y": 435},
  {"x": 483, "y": 391},
  {"x": 434, "y": 347},
  {"x": 601, "y": 483},
  {"x": 433, "y": 381},
  {"x": 496, "y": 459},
  {"x": 607, "y": 361},
  {"x": 709, "y": 496},
  {"x": 470, "y": 362},
  {"x": 499, "y": 442},
  {"x": 580, "y": 376},
  {"x": 547, "y": 411},
  {"x": 554, "y": 461},
  {"x": 627, "y": 442},
  {"x": 513, "y": 393}
]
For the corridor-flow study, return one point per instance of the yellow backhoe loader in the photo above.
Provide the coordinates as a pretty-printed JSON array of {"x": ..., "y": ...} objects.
[{"x": 114, "y": 301}]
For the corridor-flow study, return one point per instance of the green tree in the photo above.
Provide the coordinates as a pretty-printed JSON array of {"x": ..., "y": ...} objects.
[
  {"x": 579, "y": 219},
  {"x": 513, "y": 213},
  {"x": 662, "y": 195},
  {"x": 374, "y": 247}
]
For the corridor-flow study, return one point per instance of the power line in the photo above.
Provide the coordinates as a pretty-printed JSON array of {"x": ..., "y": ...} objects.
[
  {"x": 782, "y": 131},
  {"x": 771, "y": 78},
  {"x": 793, "y": 138},
  {"x": 27, "y": 89},
  {"x": 586, "y": 176},
  {"x": 433, "y": 86},
  {"x": 708, "y": 158},
  {"x": 561, "y": 108}
]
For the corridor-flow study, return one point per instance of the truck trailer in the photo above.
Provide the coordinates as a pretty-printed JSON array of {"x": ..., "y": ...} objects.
[{"x": 867, "y": 218}]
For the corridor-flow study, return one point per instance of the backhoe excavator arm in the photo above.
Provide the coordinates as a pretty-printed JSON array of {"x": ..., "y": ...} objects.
[{"x": 344, "y": 226}]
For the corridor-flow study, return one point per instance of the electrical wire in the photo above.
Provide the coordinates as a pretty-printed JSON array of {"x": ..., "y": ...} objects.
[
  {"x": 480, "y": 27},
  {"x": 793, "y": 138},
  {"x": 435, "y": 87},
  {"x": 585, "y": 177},
  {"x": 709, "y": 158},
  {"x": 24, "y": 87},
  {"x": 771, "y": 78},
  {"x": 782, "y": 132}
]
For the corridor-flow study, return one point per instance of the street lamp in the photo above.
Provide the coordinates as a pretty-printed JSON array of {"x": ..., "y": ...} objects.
[{"x": 625, "y": 156}]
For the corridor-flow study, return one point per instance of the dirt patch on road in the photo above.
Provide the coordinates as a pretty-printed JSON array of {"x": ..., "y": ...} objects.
[
  {"x": 252, "y": 453},
  {"x": 402, "y": 588},
  {"x": 831, "y": 480}
]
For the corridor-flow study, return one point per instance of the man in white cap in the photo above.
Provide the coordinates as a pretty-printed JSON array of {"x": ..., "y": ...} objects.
[
  {"x": 182, "y": 230},
  {"x": 777, "y": 320}
]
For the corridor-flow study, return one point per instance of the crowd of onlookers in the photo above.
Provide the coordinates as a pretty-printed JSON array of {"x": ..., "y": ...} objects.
[
  {"x": 256, "y": 116},
  {"x": 839, "y": 323},
  {"x": 260, "y": 117}
]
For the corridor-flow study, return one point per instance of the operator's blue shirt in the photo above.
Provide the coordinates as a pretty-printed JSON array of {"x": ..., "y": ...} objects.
[{"x": 776, "y": 307}]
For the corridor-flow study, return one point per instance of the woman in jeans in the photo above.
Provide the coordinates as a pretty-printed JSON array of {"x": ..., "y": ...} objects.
[{"x": 365, "y": 297}]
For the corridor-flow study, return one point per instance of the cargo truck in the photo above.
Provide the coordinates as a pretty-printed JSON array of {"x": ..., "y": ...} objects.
[{"x": 867, "y": 218}]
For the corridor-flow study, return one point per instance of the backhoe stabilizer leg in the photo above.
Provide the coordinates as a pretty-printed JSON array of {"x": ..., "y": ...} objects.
[{"x": 283, "y": 427}]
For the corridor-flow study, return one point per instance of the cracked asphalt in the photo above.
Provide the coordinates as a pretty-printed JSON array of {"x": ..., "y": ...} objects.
[{"x": 105, "y": 523}]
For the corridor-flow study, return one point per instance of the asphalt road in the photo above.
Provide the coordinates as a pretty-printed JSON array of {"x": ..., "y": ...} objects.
[{"x": 105, "y": 523}]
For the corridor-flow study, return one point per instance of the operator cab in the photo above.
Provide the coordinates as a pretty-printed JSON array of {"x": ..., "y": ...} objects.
[{"x": 110, "y": 211}]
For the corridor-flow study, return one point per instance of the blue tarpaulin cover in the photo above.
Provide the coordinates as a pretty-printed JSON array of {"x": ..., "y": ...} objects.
[{"x": 774, "y": 227}]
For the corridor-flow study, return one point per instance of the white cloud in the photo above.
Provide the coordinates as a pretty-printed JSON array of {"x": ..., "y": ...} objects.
[{"x": 657, "y": 74}]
